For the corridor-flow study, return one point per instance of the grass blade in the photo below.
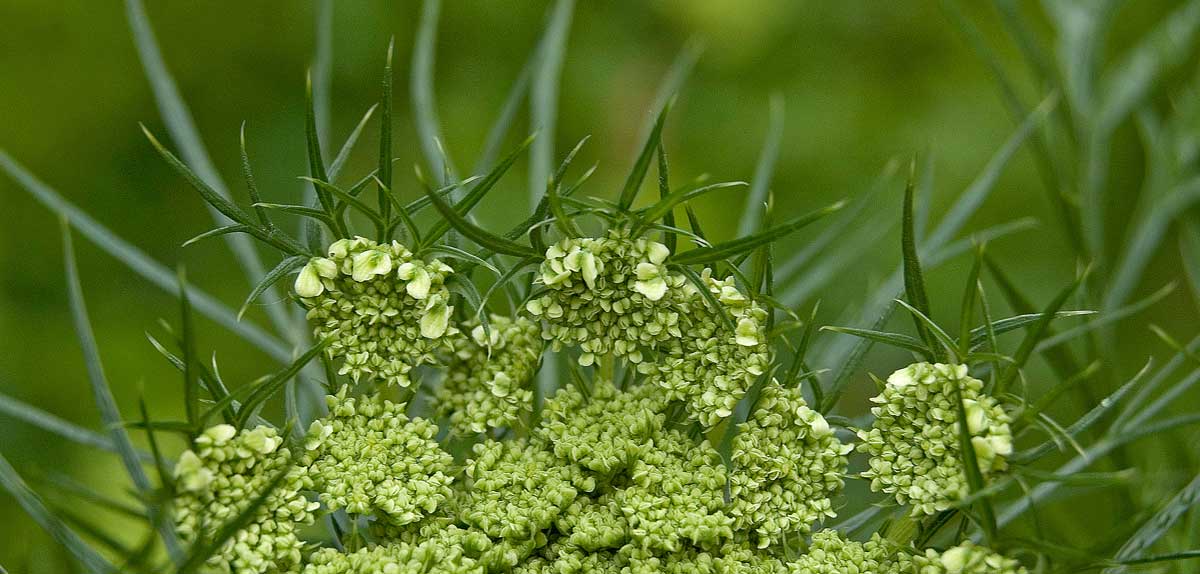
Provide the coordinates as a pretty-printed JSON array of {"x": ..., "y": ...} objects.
[
  {"x": 763, "y": 170},
  {"x": 109, "y": 414},
  {"x": 638, "y": 174},
  {"x": 979, "y": 335},
  {"x": 183, "y": 131},
  {"x": 732, "y": 248},
  {"x": 335, "y": 166},
  {"x": 422, "y": 94},
  {"x": 265, "y": 390},
  {"x": 463, "y": 208},
  {"x": 1144, "y": 238},
  {"x": 899, "y": 340},
  {"x": 50, "y": 423},
  {"x": 673, "y": 81},
  {"x": 1155, "y": 528},
  {"x": 36, "y": 509},
  {"x": 477, "y": 234},
  {"x": 971, "y": 462},
  {"x": 670, "y": 239},
  {"x": 543, "y": 95},
  {"x": 666, "y": 205},
  {"x": 1036, "y": 334},
  {"x": 1169, "y": 44},
  {"x": 835, "y": 234},
  {"x": 280, "y": 271},
  {"x": 979, "y": 190},
  {"x": 191, "y": 380},
  {"x": 1104, "y": 407},
  {"x": 384, "y": 171},
  {"x": 914, "y": 281}
]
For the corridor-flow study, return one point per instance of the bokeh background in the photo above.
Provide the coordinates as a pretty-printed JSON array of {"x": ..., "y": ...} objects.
[{"x": 862, "y": 83}]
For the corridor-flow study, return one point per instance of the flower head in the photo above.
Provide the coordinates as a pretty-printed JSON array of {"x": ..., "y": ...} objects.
[
  {"x": 222, "y": 475},
  {"x": 377, "y": 461},
  {"x": 914, "y": 441},
  {"x": 489, "y": 378},
  {"x": 383, "y": 310}
]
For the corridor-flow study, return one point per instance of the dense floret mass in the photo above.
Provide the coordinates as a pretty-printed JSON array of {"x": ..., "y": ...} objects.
[
  {"x": 489, "y": 377},
  {"x": 427, "y": 558},
  {"x": 377, "y": 461},
  {"x": 224, "y": 473},
  {"x": 516, "y": 489},
  {"x": 724, "y": 352},
  {"x": 966, "y": 558},
  {"x": 830, "y": 553},
  {"x": 608, "y": 295},
  {"x": 382, "y": 310},
  {"x": 676, "y": 495},
  {"x": 914, "y": 441},
  {"x": 602, "y": 429},
  {"x": 787, "y": 467},
  {"x": 599, "y": 478}
]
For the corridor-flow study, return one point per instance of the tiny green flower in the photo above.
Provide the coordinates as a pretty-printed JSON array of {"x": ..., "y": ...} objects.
[{"x": 914, "y": 441}]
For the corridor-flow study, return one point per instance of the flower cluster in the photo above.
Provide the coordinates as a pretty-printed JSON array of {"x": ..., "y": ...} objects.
[
  {"x": 223, "y": 474},
  {"x": 375, "y": 460},
  {"x": 610, "y": 295},
  {"x": 515, "y": 491},
  {"x": 382, "y": 310},
  {"x": 787, "y": 467},
  {"x": 829, "y": 553},
  {"x": 724, "y": 352},
  {"x": 429, "y": 557},
  {"x": 676, "y": 495},
  {"x": 602, "y": 479},
  {"x": 966, "y": 558},
  {"x": 914, "y": 441},
  {"x": 615, "y": 295},
  {"x": 487, "y": 383},
  {"x": 606, "y": 431}
]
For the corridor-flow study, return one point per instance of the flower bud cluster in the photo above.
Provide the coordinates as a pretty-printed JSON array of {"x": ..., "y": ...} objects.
[
  {"x": 787, "y": 467},
  {"x": 221, "y": 476},
  {"x": 429, "y": 557},
  {"x": 383, "y": 310},
  {"x": 375, "y": 460},
  {"x": 966, "y": 558},
  {"x": 488, "y": 379},
  {"x": 914, "y": 441},
  {"x": 676, "y": 495},
  {"x": 565, "y": 558},
  {"x": 829, "y": 553},
  {"x": 724, "y": 351},
  {"x": 516, "y": 489},
  {"x": 604, "y": 432},
  {"x": 594, "y": 524},
  {"x": 608, "y": 295}
]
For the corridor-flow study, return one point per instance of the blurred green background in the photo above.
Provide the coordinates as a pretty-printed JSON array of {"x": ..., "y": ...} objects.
[{"x": 862, "y": 82}]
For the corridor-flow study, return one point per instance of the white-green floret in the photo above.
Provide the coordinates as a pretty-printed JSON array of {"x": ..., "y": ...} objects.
[
  {"x": 830, "y": 553},
  {"x": 429, "y": 557},
  {"x": 787, "y": 467},
  {"x": 488, "y": 382},
  {"x": 724, "y": 351},
  {"x": 221, "y": 476},
  {"x": 914, "y": 442},
  {"x": 377, "y": 461},
  {"x": 515, "y": 490},
  {"x": 675, "y": 496},
  {"x": 607, "y": 295},
  {"x": 966, "y": 558},
  {"x": 382, "y": 310},
  {"x": 605, "y": 431}
]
